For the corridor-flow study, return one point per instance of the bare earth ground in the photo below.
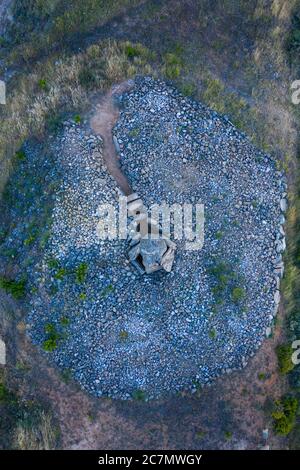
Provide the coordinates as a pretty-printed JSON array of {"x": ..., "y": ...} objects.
[
  {"x": 232, "y": 405},
  {"x": 235, "y": 404},
  {"x": 102, "y": 123}
]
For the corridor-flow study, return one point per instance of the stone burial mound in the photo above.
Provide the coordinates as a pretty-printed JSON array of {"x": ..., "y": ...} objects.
[{"x": 122, "y": 334}]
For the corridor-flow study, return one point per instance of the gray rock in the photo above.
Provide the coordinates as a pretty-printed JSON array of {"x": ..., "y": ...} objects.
[
  {"x": 277, "y": 297},
  {"x": 283, "y": 205},
  {"x": 268, "y": 332},
  {"x": 265, "y": 434},
  {"x": 116, "y": 144}
]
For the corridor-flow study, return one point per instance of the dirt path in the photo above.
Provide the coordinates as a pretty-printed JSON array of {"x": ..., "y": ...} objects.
[{"x": 102, "y": 123}]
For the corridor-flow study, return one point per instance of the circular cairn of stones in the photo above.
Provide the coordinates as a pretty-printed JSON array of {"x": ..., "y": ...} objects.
[{"x": 120, "y": 333}]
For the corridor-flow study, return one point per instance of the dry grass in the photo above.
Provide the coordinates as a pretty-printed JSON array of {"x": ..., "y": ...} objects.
[
  {"x": 41, "y": 436},
  {"x": 67, "y": 83},
  {"x": 42, "y": 26}
]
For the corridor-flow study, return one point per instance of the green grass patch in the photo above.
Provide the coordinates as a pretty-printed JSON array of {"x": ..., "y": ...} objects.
[
  {"x": 261, "y": 376},
  {"x": 77, "y": 119},
  {"x": 30, "y": 239},
  {"x": 64, "y": 321},
  {"x": 61, "y": 274},
  {"x": 219, "y": 235},
  {"x": 212, "y": 333},
  {"x": 49, "y": 345},
  {"x": 15, "y": 288},
  {"x": 53, "y": 263},
  {"x": 107, "y": 290},
  {"x": 238, "y": 294},
  {"x": 139, "y": 395},
  {"x": 228, "y": 435},
  {"x": 173, "y": 64},
  {"x": 81, "y": 272},
  {"x": 42, "y": 84},
  {"x": 123, "y": 335},
  {"x": 4, "y": 393},
  {"x": 215, "y": 95},
  {"x": 188, "y": 89},
  {"x": 44, "y": 239},
  {"x": 20, "y": 155},
  {"x": 226, "y": 283},
  {"x": 53, "y": 337}
]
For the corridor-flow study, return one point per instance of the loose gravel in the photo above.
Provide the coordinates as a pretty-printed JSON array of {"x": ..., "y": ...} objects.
[{"x": 124, "y": 335}]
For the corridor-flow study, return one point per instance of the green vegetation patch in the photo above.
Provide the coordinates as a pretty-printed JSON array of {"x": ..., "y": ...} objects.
[
  {"x": 226, "y": 283},
  {"x": 238, "y": 294},
  {"x": 53, "y": 337},
  {"x": 173, "y": 64},
  {"x": 284, "y": 415},
  {"x": 139, "y": 395},
  {"x": 284, "y": 356},
  {"x": 15, "y": 288},
  {"x": 229, "y": 103},
  {"x": 107, "y": 290},
  {"x": 81, "y": 272}
]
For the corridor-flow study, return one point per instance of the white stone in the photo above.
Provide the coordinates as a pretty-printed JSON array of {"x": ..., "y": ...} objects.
[
  {"x": 277, "y": 297},
  {"x": 268, "y": 332},
  {"x": 283, "y": 205}
]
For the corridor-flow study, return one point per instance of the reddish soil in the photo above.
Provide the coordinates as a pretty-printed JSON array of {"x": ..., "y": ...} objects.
[
  {"x": 236, "y": 404},
  {"x": 102, "y": 123}
]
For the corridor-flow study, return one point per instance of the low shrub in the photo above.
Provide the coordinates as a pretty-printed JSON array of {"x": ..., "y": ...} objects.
[
  {"x": 30, "y": 239},
  {"x": 51, "y": 343},
  {"x": 139, "y": 395},
  {"x": 81, "y": 272},
  {"x": 284, "y": 415},
  {"x": 60, "y": 274},
  {"x": 77, "y": 119},
  {"x": 284, "y": 356},
  {"x": 123, "y": 335},
  {"x": 65, "y": 321},
  {"x": 172, "y": 65},
  {"x": 4, "y": 393},
  {"x": 53, "y": 263},
  {"x": 261, "y": 376},
  {"x": 107, "y": 290},
  {"x": 212, "y": 333},
  {"x": 16, "y": 288},
  {"x": 237, "y": 294},
  {"x": 20, "y": 155},
  {"x": 42, "y": 84},
  {"x": 188, "y": 89},
  {"x": 137, "y": 50},
  {"x": 87, "y": 78}
]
